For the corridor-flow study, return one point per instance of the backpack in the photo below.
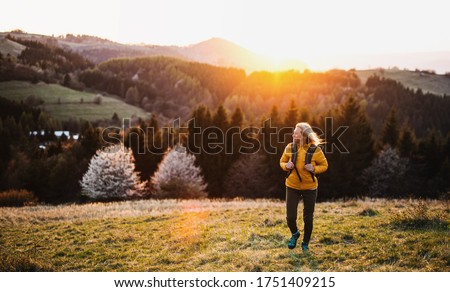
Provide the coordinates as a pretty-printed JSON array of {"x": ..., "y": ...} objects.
[{"x": 309, "y": 154}]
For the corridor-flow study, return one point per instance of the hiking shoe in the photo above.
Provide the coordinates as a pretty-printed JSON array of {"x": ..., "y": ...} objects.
[
  {"x": 305, "y": 246},
  {"x": 293, "y": 241}
]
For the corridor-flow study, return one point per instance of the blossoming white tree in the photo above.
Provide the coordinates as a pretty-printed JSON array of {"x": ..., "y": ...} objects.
[
  {"x": 178, "y": 177},
  {"x": 111, "y": 174}
]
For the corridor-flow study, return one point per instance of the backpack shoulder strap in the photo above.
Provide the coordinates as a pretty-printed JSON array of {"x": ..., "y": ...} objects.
[
  {"x": 294, "y": 152},
  {"x": 309, "y": 153},
  {"x": 308, "y": 158}
]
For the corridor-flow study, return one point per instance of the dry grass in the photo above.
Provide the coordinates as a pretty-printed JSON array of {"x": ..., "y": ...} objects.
[
  {"x": 419, "y": 216},
  {"x": 203, "y": 235},
  {"x": 46, "y": 213}
]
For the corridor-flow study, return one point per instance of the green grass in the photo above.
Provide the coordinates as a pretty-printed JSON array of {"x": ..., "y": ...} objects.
[
  {"x": 218, "y": 236},
  {"x": 436, "y": 84},
  {"x": 9, "y": 47},
  {"x": 70, "y": 106}
]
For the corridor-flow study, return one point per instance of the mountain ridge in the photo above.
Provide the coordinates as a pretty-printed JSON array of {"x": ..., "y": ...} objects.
[
  {"x": 214, "y": 51},
  {"x": 221, "y": 52},
  {"x": 218, "y": 52}
]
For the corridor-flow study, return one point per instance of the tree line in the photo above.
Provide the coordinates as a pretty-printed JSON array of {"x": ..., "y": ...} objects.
[{"x": 246, "y": 164}]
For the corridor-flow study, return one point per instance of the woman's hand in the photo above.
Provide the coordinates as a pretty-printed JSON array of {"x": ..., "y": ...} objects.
[
  {"x": 290, "y": 165},
  {"x": 309, "y": 167}
]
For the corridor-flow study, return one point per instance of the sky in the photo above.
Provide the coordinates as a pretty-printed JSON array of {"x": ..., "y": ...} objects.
[{"x": 302, "y": 29}]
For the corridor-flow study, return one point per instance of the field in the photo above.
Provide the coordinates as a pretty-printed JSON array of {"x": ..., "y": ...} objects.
[
  {"x": 9, "y": 47},
  {"x": 436, "y": 84},
  {"x": 208, "y": 235},
  {"x": 70, "y": 105}
]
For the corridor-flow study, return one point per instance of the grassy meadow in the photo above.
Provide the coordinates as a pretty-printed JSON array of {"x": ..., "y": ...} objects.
[
  {"x": 208, "y": 235},
  {"x": 70, "y": 105},
  {"x": 432, "y": 83},
  {"x": 9, "y": 47}
]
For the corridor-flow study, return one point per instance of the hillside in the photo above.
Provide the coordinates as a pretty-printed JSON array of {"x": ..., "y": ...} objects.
[
  {"x": 214, "y": 51},
  {"x": 432, "y": 83},
  {"x": 217, "y": 52},
  {"x": 221, "y": 236},
  {"x": 70, "y": 105},
  {"x": 10, "y": 47},
  {"x": 173, "y": 87}
]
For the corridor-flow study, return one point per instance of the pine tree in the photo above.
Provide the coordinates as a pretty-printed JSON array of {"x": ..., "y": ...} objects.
[
  {"x": 272, "y": 137},
  {"x": 233, "y": 139},
  {"x": 249, "y": 177},
  {"x": 153, "y": 122},
  {"x": 220, "y": 160},
  {"x": 201, "y": 119},
  {"x": 357, "y": 139},
  {"x": 390, "y": 131},
  {"x": 111, "y": 174},
  {"x": 292, "y": 115},
  {"x": 5, "y": 145},
  {"x": 178, "y": 177},
  {"x": 43, "y": 121},
  {"x": 90, "y": 140},
  {"x": 220, "y": 119},
  {"x": 64, "y": 174},
  {"x": 442, "y": 182},
  {"x": 447, "y": 146},
  {"x": 12, "y": 127},
  {"x": 132, "y": 96},
  {"x": 115, "y": 119},
  {"x": 432, "y": 154},
  {"x": 135, "y": 140},
  {"x": 275, "y": 117},
  {"x": 407, "y": 142},
  {"x": 237, "y": 118},
  {"x": 26, "y": 119},
  {"x": 67, "y": 80},
  {"x": 304, "y": 116}
]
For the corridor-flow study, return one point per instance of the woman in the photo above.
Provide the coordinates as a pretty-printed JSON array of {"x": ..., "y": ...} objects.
[{"x": 301, "y": 181}]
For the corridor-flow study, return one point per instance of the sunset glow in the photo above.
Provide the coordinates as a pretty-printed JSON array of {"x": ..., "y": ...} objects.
[{"x": 315, "y": 32}]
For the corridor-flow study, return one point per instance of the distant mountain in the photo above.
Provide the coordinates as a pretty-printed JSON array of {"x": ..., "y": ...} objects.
[
  {"x": 215, "y": 51},
  {"x": 224, "y": 53},
  {"x": 220, "y": 52}
]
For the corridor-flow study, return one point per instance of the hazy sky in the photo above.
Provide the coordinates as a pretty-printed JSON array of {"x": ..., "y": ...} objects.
[{"x": 302, "y": 29}]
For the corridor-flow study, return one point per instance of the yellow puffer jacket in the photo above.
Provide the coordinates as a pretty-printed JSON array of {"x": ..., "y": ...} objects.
[{"x": 318, "y": 160}]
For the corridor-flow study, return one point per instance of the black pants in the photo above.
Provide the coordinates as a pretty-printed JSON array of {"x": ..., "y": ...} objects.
[{"x": 293, "y": 197}]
